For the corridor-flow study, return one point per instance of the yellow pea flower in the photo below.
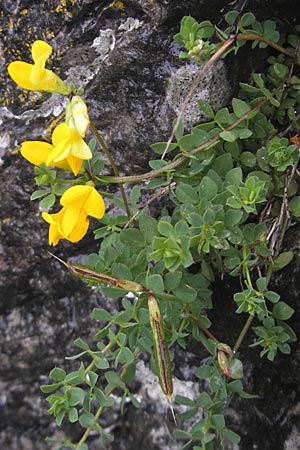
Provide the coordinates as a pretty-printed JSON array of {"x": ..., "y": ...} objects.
[
  {"x": 68, "y": 146},
  {"x": 77, "y": 115},
  {"x": 67, "y": 151},
  {"x": 71, "y": 221},
  {"x": 34, "y": 76},
  {"x": 57, "y": 222}
]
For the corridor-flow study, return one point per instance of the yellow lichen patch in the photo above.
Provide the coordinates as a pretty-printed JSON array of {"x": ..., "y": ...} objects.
[{"x": 117, "y": 4}]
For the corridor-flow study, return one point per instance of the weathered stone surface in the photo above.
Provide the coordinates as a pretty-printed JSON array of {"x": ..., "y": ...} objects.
[{"x": 125, "y": 61}]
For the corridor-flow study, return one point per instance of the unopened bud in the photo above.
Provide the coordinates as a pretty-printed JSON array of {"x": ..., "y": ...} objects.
[
  {"x": 225, "y": 348},
  {"x": 223, "y": 363},
  {"x": 77, "y": 115}
]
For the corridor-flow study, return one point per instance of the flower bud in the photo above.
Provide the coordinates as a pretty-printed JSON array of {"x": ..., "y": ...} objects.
[
  {"x": 77, "y": 115},
  {"x": 223, "y": 363},
  {"x": 225, "y": 348}
]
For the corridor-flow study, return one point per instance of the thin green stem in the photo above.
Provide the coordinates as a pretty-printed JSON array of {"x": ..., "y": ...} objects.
[
  {"x": 182, "y": 158},
  {"x": 113, "y": 165},
  {"x": 99, "y": 410},
  {"x": 243, "y": 334}
]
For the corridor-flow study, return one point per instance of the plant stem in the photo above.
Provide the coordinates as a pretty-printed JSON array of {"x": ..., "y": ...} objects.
[
  {"x": 256, "y": 37},
  {"x": 223, "y": 49},
  {"x": 113, "y": 165},
  {"x": 181, "y": 159},
  {"x": 99, "y": 410},
  {"x": 243, "y": 333}
]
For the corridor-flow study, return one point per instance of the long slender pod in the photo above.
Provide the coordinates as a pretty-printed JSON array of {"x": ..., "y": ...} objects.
[{"x": 161, "y": 351}]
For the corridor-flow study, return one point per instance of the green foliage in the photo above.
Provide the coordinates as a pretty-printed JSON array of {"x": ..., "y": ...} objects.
[{"x": 232, "y": 187}]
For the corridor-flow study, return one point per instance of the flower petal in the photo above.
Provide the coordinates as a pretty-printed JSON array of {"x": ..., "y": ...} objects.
[
  {"x": 54, "y": 220},
  {"x": 36, "y": 152},
  {"x": 59, "y": 153},
  {"x": 79, "y": 148},
  {"x": 80, "y": 229},
  {"x": 74, "y": 224},
  {"x": 61, "y": 133},
  {"x": 20, "y": 72},
  {"x": 86, "y": 198},
  {"x": 40, "y": 50},
  {"x": 74, "y": 163}
]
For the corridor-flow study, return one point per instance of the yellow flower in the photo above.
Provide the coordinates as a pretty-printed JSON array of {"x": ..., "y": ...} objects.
[
  {"x": 71, "y": 221},
  {"x": 77, "y": 115},
  {"x": 68, "y": 146},
  {"x": 68, "y": 150},
  {"x": 34, "y": 76}
]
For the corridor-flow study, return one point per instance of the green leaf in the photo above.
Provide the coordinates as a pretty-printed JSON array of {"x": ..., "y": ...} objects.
[
  {"x": 186, "y": 194},
  {"x": 57, "y": 374},
  {"x": 204, "y": 401},
  {"x": 101, "y": 315},
  {"x": 228, "y": 136},
  {"x": 112, "y": 378},
  {"x": 204, "y": 372},
  {"x": 155, "y": 283},
  {"x": 81, "y": 344},
  {"x": 121, "y": 270},
  {"x": 272, "y": 296},
  {"x": 283, "y": 260},
  {"x": 143, "y": 315},
  {"x": 261, "y": 284},
  {"x": 100, "y": 397},
  {"x": 73, "y": 415},
  {"x": 208, "y": 188},
  {"x": 132, "y": 237},
  {"x": 222, "y": 116},
  {"x": 186, "y": 293},
  {"x": 240, "y": 107},
  {"x": 234, "y": 176},
  {"x": 148, "y": 226},
  {"x": 93, "y": 377},
  {"x": 206, "y": 108},
  {"x": 165, "y": 228},
  {"x": 135, "y": 195},
  {"x": 282, "y": 311},
  {"x": 47, "y": 202},
  {"x": 247, "y": 19},
  {"x": 186, "y": 143},
  {"x": 47, "y": 388},
  {"x": 218, "y": 421},
  {"x": 236, "y": 369},
  {"x": 294, "y": 206},
  {"x": 248, "y": 159},
  {"x": 60, "y": 417},
  {"x": 172, "y": 280},
  {"x": 181, "y": 400},
  {"x": 39, "y": 193},
  {"x": 182, "y": 435},
  {"x": 86, "y": 420},
  {"x": 231, "y": 436},
  {"x": 74, "y": 378},
  {"x": 157, "y": 163},
  {"x": 159, "y": 147}
]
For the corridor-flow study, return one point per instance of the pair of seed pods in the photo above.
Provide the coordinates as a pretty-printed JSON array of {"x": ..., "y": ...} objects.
[{"x": 161, "y": 351}]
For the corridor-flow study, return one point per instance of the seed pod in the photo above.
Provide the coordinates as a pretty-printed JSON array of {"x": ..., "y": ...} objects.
[
  {"x": 161, "y": 351},
  {"x": 110, "y": 280}
]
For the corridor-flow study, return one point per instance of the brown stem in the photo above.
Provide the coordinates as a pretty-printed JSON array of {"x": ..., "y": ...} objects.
[
  {"x": 256, "y": 37},
  {"x": 223, "y": 49}
]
